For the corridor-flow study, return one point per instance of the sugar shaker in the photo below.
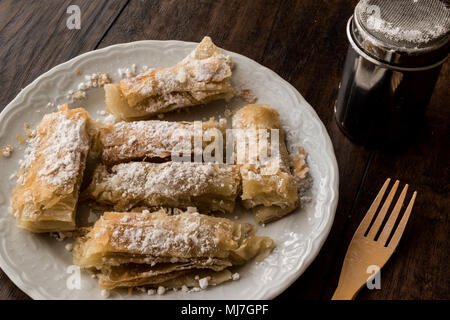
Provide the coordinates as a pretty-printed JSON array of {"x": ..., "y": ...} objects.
[{"x": 396, "y": 51}]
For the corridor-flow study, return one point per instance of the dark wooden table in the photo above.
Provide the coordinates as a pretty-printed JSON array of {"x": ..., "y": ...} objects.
[{"x": 303, "y": 41}]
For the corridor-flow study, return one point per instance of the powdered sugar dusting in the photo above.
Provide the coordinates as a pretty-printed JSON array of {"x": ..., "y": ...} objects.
[
  {"x": 170, "y": 180},
  {"x": 409, "y": 24},
  {"x": 189, "y": 74},
  {"x": 185, "y": 234},
  {"x": 63, "y": 149},
  {"x": 150, "y": 139},
  {"x": 61, "y": 143},
  {"x": 204, "y": 72},
  {"x": 396, "y": 33}
]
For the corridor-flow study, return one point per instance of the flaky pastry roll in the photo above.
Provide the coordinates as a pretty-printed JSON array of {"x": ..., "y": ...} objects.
[
  {"x": 134, "y": 249},
  {"x": 203, "y": 76},
  {"x": 158, "y": 141},
  {"x": 46, "y": 194},
  {"x": 268, "y": 187},
  {"x": 209, "y": 187}
]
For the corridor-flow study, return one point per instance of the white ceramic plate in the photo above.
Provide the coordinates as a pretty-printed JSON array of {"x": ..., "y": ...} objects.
[{"x": 40, "y": 265}]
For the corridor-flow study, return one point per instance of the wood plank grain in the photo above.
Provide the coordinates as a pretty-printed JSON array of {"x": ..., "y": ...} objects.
[
  {"x": 241, "y": 26},
  {"x": 33, "y": 39},
  {"x": 307, "y": 47},
  {"x": 419, "y": 268}
]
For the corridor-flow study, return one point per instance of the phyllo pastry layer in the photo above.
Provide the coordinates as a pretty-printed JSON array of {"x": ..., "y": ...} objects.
[
  {"x": 157, "y": 141},
  {"x": 156, "y": 249},
  {"x": 203, "y": 76},
  {"x": 268, "y": 187},
  {"x": 207, "y": 186},
  {"x": 46, "y": 194}
]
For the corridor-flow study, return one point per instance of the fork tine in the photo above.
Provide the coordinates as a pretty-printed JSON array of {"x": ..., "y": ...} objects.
[
  {"x": 376, "y": 226},
  {"x": 364, "y": 225},
  {"x": 401, "y": 226},
  {"x": 387, "y": 229}
]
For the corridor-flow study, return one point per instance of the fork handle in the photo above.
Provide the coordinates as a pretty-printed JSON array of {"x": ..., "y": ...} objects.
[{"x": 345, "y": 292}]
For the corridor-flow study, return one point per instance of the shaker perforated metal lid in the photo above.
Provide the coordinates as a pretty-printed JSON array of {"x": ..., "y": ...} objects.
[{"x": 404, "y": 33}]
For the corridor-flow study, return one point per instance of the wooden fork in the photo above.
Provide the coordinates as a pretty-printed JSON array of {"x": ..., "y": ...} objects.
[{"x": 364, "y": 250}]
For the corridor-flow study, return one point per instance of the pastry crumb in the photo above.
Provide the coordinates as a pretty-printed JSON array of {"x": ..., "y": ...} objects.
[
  {"x": 62, "y": 107},
  {"x": 203, "y": 282},
  {"x": 235, "y": 276},
  {"x": 103, "y": 78},
  {"x": 79, "y": 95},
  {"x": 21, "y": 139},
  {"x": 28, "y": 132},
  {"x": 105, "y": 293},
  {"x": 6, "y": 151},
  {"x": 247, "y": 95},
  {"x": 161, "y": 290},
  {"x": 298, "y": 163},
  {"x": 69, "y": 247},
  {"x": 78, "y": 72},
  {"x": 95, "y": 80},
  {"x": 151, "y": 292},
  {"x": 127, "y": 72}
]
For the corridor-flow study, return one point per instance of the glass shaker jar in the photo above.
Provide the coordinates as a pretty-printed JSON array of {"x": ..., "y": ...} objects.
[{"x": 396, "y": 51}]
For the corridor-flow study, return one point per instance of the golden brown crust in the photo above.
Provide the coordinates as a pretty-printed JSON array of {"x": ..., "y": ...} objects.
[
  {"x": 46, "y": 194},
  {"x": 268, "y": 187},
  {"x": 153, "y": 140},
  {"x": 130, "y": 249},
  {"x": 207, "y": 186},
  {"x": 258, "y": 116},
  {"x": 204, "y": 75}
]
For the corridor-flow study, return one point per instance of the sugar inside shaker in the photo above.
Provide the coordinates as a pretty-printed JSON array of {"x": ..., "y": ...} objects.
[{"x": 396, "y": 51}]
